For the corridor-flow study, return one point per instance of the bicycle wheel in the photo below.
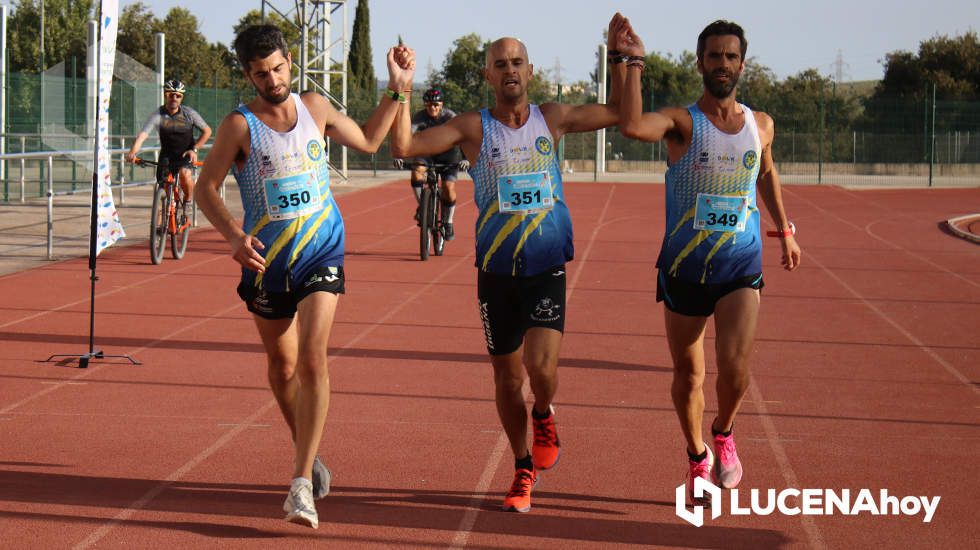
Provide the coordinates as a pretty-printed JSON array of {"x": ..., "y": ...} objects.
[
  {"x": 178, "y": 240},
  {"x": 438, "y": 239},
  {"x": 158, "y": 224},
  {"x": 425, "y": 223}
]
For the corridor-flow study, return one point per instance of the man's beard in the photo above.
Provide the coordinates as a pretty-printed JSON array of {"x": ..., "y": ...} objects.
[
  {"x": 720, "y": 90},
  {"x": 274, "y": 99}
]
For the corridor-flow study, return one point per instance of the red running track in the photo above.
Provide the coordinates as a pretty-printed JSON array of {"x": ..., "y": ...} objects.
[{"x": 864, "y": 376}]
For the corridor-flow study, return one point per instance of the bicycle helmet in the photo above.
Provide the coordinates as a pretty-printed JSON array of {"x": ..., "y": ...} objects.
[
  {"x": 433, "y": 95},
  {"x": 174, "y": 85}
]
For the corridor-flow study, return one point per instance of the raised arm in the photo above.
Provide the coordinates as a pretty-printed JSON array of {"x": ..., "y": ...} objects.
[
  {"x": 434, "y": 140},
  {"x": 771, "y": 193},
  {"x": 564, "y": 119},
  {"x": 369, "y": 136},
  {"x": 633, "y": 122}
]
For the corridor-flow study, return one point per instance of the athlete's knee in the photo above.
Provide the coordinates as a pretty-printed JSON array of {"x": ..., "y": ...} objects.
[
  {"x": 542, "y": 362},
  {"x": 734, "y": 377},
  {"x": 688, "y": 375},
  {"x": 312, "y": 367},
  {"x": 508, "y": 380},
  {"x": 281, "y": 369}
]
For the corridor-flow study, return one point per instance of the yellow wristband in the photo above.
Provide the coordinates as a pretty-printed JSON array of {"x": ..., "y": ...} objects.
[{"x": 396, "y": 96}]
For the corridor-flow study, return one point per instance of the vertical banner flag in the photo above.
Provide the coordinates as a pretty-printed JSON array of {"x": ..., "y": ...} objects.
[{"x": 109, "y": 228}]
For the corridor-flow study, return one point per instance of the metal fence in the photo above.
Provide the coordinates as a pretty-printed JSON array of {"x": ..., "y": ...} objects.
[{"x": 914, "y": 142}]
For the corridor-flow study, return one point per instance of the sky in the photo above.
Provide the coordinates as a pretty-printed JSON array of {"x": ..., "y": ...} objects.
[{"x": 785, "y": 35}]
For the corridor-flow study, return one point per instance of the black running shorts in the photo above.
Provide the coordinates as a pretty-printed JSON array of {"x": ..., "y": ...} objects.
[
  {"x": 282, "y": 305},
  {"x": 699, "y": 300},
  {"x": 511, "y": 305}
]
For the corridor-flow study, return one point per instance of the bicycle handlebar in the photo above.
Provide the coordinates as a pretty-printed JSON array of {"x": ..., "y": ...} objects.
[
  {"x": 409, "y": 165},
  {"x": 141, "y": 160}
]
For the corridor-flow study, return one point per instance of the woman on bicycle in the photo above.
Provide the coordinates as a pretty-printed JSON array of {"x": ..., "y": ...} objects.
[{"x": 176, "y": 123}]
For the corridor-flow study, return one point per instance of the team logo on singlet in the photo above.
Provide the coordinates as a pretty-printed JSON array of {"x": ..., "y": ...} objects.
[
  {"x": 543, "y": 145},
  {"x": 748, "y": 160},
  {"x": 314, "y": 150}
]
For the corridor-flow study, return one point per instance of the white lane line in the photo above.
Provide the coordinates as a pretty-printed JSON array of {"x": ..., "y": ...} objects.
[
  {"x": 915, "y": 341},
  {"x": 177, "y": 474},
  {"x": 100, "y": 295},
  {"x": 497, "y": 454},
  {"x": 99, "y": 366},
  {"x": 785, "y": 468},
  {"x": 148, "y": 497}
]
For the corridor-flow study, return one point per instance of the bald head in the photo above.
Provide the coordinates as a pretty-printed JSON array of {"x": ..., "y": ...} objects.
[{"x": 505, "y": 48}]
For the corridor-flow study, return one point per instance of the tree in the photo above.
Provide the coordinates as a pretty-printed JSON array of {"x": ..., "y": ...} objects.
[
  {"x": 65, "y": 33},
  {"x": 137, "y": 30},
  {"x": 670, "y": 81},
  {"x": 953, "y": 64},
  {"x": 359, "y": 64},
  {"x": 757, "y": 85},
  {"x": 461, "y": 77}
]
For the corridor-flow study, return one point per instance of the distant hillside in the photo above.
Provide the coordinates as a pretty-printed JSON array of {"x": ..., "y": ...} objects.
[{"x": 860, "y": 88}]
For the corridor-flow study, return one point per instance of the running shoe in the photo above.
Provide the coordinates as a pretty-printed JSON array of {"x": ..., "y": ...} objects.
[
  {"x": 519, "y": 497},
  {"x": 700, "y": 469},
  {"x": 299, "y": 505},
  {"x": 546, "y": 448},
  {"x": 321, "y": 478},
  {"x": 727, "y": 471},
  {"x": 447, "y": 231}
]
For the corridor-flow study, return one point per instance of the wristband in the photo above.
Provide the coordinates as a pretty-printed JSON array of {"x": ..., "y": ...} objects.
[
  {"x": 617, "y": 59},
  {"x": 784, "y": 233},
  {"x": 612, "y": 53},
  {"x": 396, "y": 96}
]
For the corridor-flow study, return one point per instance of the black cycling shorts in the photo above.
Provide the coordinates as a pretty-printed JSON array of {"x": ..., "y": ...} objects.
[
  {"x": 174, "y": 163},
  {"x": 696, "y": 299},
  {"x": 282, "y": 305},
  {"x": 511, "y": 305}
]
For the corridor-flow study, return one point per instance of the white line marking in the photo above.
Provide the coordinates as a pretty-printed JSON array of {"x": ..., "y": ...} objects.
[
  {"x": 141, "y": 282},
  {"x": 177, "y": 474},
  {"x": 143, "y": 501},
  {"x": 772, "y": 436},
  {"x": 918, "y": 343},
  {"x": 483, "y": 484},
  {"x": 98, "y": 367}
]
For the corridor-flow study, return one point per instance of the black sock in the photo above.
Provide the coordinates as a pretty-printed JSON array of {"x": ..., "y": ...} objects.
[
  {"x": 698, "y": 458},
  {"x": 725, "y": 434},
  {"x": 524, "y": 463},
  {"x": 540, "y": 416}
]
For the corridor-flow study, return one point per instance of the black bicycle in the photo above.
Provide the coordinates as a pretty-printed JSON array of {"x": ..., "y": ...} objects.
[
  {"x": 431, "y": 232},
  {"x": 167, "y": 213}
]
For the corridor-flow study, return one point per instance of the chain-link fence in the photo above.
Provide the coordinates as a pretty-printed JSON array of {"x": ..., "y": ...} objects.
[
  {"x": 50, "y": 113},
  {"x": 911, "y": 142}
]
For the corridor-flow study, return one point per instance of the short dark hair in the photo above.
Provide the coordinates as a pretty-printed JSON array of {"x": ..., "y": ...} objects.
[
  {"x": 722, "y": 28},
  {"x": 258, "y": 42}
]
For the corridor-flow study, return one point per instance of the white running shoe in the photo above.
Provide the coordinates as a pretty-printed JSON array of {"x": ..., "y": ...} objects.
[{"x": 299, "y": 505}]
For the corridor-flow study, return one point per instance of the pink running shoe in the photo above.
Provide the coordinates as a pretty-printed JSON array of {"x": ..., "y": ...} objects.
[
  {"x": 703, "y": 470},
  {"x": 727, "y": 471}
]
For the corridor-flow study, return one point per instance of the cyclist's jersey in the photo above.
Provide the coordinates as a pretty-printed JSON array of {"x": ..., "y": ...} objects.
[
  {"x": 421, "y": 120},
  {"x": 285, "y": 190},
  {"x": 524, "y": 226},
  {"x": 176, "y": 130},
  {"x": 712, "y": 231}
]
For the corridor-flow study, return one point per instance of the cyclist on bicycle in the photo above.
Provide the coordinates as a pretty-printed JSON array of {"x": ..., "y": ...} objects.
[
  {"x": 175, "y": 123},
  {"x": 435, "y": 114}
]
